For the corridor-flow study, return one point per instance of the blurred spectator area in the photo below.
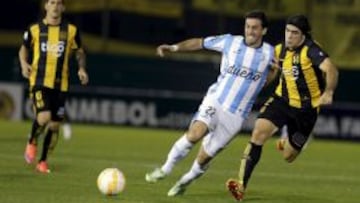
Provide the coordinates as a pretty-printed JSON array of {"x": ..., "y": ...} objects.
[{"x": 123, "y": 34}]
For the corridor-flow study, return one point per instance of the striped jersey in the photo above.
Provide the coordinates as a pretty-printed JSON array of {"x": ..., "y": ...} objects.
[
  {"x": 51, "y": 47},
  {"x": 243, "y": 72},
  {"x": 301, "y": 82}
]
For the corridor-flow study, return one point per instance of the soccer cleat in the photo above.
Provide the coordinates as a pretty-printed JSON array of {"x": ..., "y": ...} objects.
[
  {"x": 280, "y": 144},
  {"x": 236, "y": 189},
  {"x": 30, "y": 153},
  {"x": 155, "y": 176},
  {"x": 42, "y": 167},
  {"x": 177, "y": 189}
]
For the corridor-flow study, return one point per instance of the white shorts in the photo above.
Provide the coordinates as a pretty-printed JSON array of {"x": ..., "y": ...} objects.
[{"x": 223, "y": 125}]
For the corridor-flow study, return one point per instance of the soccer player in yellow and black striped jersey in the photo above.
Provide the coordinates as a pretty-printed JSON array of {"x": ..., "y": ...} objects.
[
  {"x": 308, "y": 80},
  {"x": 51, "y": 42}
]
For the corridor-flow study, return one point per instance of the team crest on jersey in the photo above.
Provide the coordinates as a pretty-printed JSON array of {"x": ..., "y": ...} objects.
[{"x": 296, "y": 59}]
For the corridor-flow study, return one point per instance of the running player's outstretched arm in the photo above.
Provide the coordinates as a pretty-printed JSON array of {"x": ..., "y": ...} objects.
[
  {"x": 331, "y": 74},
  {"x": 186, "y": 45}
]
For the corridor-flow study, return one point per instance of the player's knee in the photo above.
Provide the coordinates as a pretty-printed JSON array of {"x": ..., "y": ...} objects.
[
  {"x": 262, "y": 131},
  {"x": 43, "y": 118},
  {"x": 197, "y": 131},
  {"x": 259, "y": 136}
]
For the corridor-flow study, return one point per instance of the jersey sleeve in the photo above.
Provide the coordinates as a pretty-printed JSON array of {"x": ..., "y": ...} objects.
[
  {"x": 317, "y": 55},
  {"x": 216, "y": 43},
  {"x": 77, "y": 40},
  {"x": 27, "y": 39}
]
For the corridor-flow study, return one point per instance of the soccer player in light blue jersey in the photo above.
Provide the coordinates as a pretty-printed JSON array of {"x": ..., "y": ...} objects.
[{"x": 245, "y": 64}]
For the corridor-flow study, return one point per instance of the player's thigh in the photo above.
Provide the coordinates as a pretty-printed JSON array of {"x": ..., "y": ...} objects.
[
  {"x": 273, "y": 115},
  {"x": 262, "y": 131},
  {"x": 57, "y": 106},
  {"x": 300, "y": 127},
  {"x": 41, "y": 103},
  {"x": 226, "y": 129},
  {"x": 204, "y": 121}
]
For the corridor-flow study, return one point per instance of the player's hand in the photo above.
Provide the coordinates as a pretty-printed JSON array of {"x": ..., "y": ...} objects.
[
  {"x": 166, "y": 47},
  {"x": 83, "y": 76},
  {"x": 26, "y": 70},
  {"x": 326, "y": 98}
]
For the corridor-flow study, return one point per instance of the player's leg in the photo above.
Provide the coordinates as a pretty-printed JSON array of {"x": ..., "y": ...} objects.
[
  {"x": 271, "y": 118},
  {"x": 179, "y": 150},
  {"x": 212, "y": 144},
  {"x": 42, "y": 118},
  {"x": 50, "y": 141},
  {"x": 57, "y": 103},
  {"x": 204, "y": 118},
  {"x": 300, "y": 129},
  {"x": 263, "y": 130}
]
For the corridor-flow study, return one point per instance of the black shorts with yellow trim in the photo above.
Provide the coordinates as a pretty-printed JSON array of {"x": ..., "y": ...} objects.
[
  {"x": 300, "y": 122},
  {"x": 46, "y": 99}
]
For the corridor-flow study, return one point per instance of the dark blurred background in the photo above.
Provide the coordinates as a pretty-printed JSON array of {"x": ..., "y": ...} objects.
[{"x": 120, "y": 37}]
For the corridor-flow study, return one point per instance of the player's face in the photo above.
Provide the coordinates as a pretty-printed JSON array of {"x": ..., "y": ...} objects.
[
  {"x": 253, "y": 31},
  {"x": 54, "y": 8},
  {"x": 293, "y": 36}
]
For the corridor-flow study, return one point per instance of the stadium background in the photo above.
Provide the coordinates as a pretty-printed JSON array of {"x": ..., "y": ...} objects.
[{"x": 130, "y": 86}]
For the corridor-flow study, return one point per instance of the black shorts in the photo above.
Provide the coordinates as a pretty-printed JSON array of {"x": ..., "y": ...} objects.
[
  {"x": 300, "y": 122},
  {"x": 46, "y": 99}
]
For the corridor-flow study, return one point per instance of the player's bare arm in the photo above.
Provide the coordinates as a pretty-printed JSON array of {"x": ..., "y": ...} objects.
[
  {"x": 331, "y": 78},
  {"x": 23, "y": 58},
  {"x": 186, "y": 45},
  {"x": 81, "y": 58}
]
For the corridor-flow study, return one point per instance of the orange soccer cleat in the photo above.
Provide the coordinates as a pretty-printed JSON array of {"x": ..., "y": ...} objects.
[
  {"x": 42, "y": 167},
  {"x": 30, "y": 153},
  {"x": 236, "y": 189}
]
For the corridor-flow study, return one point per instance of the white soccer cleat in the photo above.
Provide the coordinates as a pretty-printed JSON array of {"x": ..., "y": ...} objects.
[
  {"x": 177, "y": 189},
  {"x": 155, "y": 176}
]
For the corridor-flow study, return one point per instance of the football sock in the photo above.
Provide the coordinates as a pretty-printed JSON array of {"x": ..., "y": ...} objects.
[
  {"x": 36, "y": 130},
  {"x": 46, "y": 145},
  {"x": 249, "y": 160},
  {"x": 195, "y": 172},
  {"x": 178, "y": 151}
]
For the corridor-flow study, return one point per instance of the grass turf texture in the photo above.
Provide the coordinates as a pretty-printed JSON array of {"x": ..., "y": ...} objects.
[{"x": 327, "y": 171}]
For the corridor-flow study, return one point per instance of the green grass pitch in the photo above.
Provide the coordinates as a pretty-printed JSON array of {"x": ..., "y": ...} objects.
[{"x": 326, "y": 172}]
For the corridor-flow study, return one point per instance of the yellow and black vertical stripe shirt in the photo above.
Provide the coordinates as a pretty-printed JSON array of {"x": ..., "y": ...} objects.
[
  {"x": 301, "y": 82},
  {"x": 51, "y": 47}
]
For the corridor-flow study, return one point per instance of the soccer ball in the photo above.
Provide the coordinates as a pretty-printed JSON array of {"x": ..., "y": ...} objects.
[{"x": 111, "y": 181}]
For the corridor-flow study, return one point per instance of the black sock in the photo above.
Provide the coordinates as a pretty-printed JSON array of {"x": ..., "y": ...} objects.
[
  {"x": 46, "y": 145},
  {"x": 250, "y": 158},
  {"x": 36, "y": 130}
]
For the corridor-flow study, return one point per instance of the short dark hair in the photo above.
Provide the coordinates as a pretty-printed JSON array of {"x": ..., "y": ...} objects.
[
  {"x": 258, "y": 15},
  {"x": 301, "y": 22}
]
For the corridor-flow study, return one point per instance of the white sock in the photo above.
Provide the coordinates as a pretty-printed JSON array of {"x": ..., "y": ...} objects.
[
  {"x": 67, "y": 131},
  {"x": 195, "y": 172},
  {"x": 178, "y": 151}
]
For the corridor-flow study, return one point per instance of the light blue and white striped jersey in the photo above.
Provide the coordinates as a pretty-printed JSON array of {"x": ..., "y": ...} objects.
[{"x": 243, "y": 72}]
